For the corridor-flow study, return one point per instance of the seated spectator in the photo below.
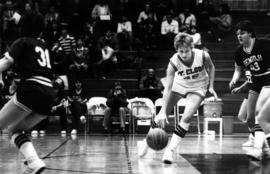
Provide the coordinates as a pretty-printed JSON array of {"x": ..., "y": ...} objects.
[
  {"x": 79, "y": 66},
  {"x": 124, "y": 33},
  {"x": 66, "y": 42},
  {"x": 108, "y": 53},
  {"x": 169, "y": 28},
  {"x": 147, "y": 27},
  {"x": 78, "y": 99},
  {"x": 11, "y": 21},
  {"x": 101, "y": 16},
  {"x": 222, "y": 24},
  {"x": 61, "y": 102},
  {"x": 116, "y": 104},
  {"x": 52, "y": 16},
  {"x": 186, "y": 19},
  {"x": 203, "y": 12},
  {"x": 196, "y": 36},
  {"x": 150, "y": 86}
]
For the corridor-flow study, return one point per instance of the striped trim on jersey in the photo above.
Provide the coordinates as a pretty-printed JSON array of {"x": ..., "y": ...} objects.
[{"x": 42, "y": 80}]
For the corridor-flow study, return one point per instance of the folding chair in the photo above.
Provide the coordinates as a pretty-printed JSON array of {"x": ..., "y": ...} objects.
[
  {"x": 142, "y": 112},
  {"x": 95, "y": 110}
]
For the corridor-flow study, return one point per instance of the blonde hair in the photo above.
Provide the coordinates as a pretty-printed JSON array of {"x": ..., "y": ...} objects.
[{"x": 183, "y": 39}]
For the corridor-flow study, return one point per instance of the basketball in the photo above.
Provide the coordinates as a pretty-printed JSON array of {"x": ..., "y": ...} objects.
[{"x": 157, "y": 139}]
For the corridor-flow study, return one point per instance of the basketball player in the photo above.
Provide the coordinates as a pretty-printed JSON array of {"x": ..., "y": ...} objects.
[
  {"x": 190, "y": 74},
  {"x": 35, "y": 93},
  {"x": 253, "y": 55}
]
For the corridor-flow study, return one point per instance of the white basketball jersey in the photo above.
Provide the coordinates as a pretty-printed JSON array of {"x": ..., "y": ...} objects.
[{"x": 193, "y": 76}]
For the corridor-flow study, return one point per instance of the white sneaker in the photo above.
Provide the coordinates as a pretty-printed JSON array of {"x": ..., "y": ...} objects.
[
  {"x": 143, "y": 149},
  {"x": 35, "y": 167},
  {"x": 63, "y": 132},
  {"x": 83, "y": 119},
  {"x": 168, "y": 156},
  {"x": 250, "y": 142},
  {"x": 42, "y": 133},
  {"x": 34, "y": 133},
  {"x": 255, "y": 153},
  {"x": 74, "y": 132}
]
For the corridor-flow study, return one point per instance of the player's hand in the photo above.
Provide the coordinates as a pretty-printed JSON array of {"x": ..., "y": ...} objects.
[
  {"x": 235, "y": 90},
  {"x": 232, "y": 84},
  {"x": 213, "y": 92},
  {"x": 161, "y": 120}
]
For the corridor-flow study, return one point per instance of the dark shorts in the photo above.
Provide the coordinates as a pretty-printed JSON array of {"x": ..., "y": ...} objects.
[
  {"x": 37, "y": 97},
  {"x": 259, "y": 82}
]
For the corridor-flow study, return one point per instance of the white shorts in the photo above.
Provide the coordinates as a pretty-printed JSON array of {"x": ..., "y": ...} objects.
[{"x": 183, "y": 91}]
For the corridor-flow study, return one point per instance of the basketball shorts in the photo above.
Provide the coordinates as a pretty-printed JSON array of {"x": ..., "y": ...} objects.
[
  {"x": 36, "y": 97},
  {"x": 183, "y": 91},
  {"x": 259, "y": 82}
]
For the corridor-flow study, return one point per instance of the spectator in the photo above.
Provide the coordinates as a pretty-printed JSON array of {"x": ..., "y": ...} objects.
[
  {"x": 61, "y": 102},
  {"x": 204, "y": 11},
  {"x": 78, "y": 68},
  {"x": 150, "y": 86},
  {"x": 66, "y": 42},
  {"x": 186, "y": 19},
  {"x": 146, "y": 14},
  {"x": 11, "y": 20},
  {"x": 169, "y": 28},
  {"x": 101, "y": 14},
  {"x": 196, "y": 36},
  {"x": 116, "y": 104},
  {"x": 52, "y": 33},
  {"x": 222, "y": 24},
  {"x": 51, "y": 17},
  {"x": 124, "y": 33},
  {"x": 78, "y": 99},
  {"x": 147, "y": 27},
  {"x": 108, "y": 52}
]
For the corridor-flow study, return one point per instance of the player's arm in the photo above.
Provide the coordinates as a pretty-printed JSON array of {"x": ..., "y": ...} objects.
[
  {"x": 6, "y": 62},
  {"x": 236, "y": 75},
  {"x": 244, "y": 86},
  {"x": 210, "y": 68}
]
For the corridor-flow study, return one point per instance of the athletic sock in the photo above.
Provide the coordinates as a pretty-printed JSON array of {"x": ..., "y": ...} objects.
[
  {"x": 25, "y": 146},
  {"x": 179, "y": 133},
  {"x": 259, "y": 136}
]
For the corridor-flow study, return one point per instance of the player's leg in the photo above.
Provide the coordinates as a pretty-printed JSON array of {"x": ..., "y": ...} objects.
[
  {"x": 12, "y": 114},
  {"x": 262, "y": 115},
  {"x": 242, "y": 116},
  {"x": 24, "y": 144},
  {"x": 193, "y": 101},
  {"x": 257, "y": 152},
  {"x": 172, "y": 100}
]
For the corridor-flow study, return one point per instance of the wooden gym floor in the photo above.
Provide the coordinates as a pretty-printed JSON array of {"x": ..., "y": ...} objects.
[{"x": 117, "y": 154}]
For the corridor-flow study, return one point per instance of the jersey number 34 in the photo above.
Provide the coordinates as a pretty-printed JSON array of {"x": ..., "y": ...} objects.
[{"x": 44, "y": 59}]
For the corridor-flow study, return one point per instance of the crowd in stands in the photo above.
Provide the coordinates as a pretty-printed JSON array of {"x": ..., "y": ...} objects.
[{"x": 85, "y": 38}]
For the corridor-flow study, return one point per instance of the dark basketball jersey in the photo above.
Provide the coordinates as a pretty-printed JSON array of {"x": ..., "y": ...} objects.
[
  {"x": 258, "y": 60},
  {"x": 31, "y": 58}
]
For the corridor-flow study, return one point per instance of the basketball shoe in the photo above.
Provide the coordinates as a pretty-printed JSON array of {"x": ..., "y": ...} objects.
[
  {"x": 34, "y": 166},
  {"x": 250, "y": 142}
]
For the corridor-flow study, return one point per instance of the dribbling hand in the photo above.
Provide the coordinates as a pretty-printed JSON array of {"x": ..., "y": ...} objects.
[{"x": 161, "y": 120}]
